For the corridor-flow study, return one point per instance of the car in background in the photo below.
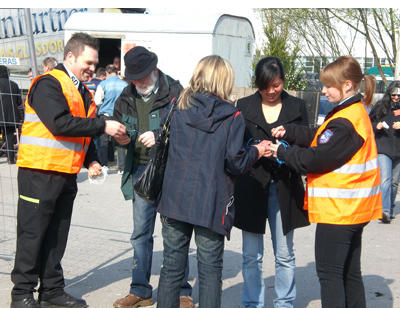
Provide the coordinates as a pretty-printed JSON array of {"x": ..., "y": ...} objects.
[{"x": 324, "y": 108}]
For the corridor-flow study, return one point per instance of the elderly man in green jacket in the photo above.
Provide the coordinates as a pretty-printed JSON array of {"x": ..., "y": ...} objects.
[{"x": 140, "y": 108}]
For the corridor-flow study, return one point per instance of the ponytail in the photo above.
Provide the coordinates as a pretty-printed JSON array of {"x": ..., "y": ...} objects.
[
  {"x": 370, "y": 85},
  {"x": 347, "y": 68}
]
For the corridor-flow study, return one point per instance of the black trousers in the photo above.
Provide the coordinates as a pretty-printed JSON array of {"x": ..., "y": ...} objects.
[
  {"x": 9, "y": 137},
  {"x": 44, "y": 215},
  {"x": 106, "y": 149},
  {"x": 338, "y": 263}
]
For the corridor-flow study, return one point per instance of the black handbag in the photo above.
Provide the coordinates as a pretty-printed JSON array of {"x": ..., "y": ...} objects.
[{"x": 149, "y": 184}]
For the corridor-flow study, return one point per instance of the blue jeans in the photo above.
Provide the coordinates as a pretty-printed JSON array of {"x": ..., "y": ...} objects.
[
  {"x": 210, "y": 252},
  {"x": 144, "y": 217},
  {"x": 253, "y": 251},
  {"x": 390, "y": 176}
]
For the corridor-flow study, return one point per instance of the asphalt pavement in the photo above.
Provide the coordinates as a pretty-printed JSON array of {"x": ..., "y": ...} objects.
[{"x": 98, "y": 259}]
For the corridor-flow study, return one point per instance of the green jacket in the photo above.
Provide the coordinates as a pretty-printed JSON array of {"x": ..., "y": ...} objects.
[{"x": 126, "y": 113}]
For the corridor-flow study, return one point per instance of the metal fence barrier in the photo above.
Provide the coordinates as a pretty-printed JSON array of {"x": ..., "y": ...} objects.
[{"x": 8, "y": 172}]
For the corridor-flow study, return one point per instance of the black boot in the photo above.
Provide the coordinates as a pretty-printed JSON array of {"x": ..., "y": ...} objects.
[
  {"x": 63, "y": 300},
  {"x": 27, "y": 302}
]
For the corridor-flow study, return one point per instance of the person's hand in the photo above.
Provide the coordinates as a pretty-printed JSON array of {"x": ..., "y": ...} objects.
[
  {"x": 123, "y": 140},
  {"x": 379, "y": 125},
  {"x": 94, "y": 169},
  {"x": 267, "y": 153},
  {"x": 278, "y": 132},
  {"x": 114, "y": 128},
  {"x": 274, "y": 149},
  {"x": 396, "y": 125},
  {"x": 147, "y": 139},
  {"x": 263, "y": 149}
]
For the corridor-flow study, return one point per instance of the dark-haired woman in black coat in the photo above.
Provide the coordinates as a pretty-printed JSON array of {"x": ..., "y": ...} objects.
[
  {"x": 270, "y": 190},
  {"x": 385, "y": 118}
]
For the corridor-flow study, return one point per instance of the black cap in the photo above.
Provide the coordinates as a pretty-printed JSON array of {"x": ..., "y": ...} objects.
[{"x": 139, "y": 63}]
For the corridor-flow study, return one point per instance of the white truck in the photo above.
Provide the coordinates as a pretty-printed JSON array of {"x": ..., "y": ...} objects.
[{"x": 179, "y": 40}]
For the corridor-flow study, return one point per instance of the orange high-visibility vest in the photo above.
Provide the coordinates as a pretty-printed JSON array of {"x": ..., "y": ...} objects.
[
  {"x": 40, "y": 149},
  {"x": 350, "y": 194}
]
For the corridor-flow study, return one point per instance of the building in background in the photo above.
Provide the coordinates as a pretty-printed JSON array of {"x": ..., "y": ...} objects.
[
  {"x": 180, "y": 39},
  {"x": 48, "y": 32},
  {"x": 48, "y": 26}
]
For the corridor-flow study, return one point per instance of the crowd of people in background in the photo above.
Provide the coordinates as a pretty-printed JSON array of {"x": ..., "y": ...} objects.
[{"x": 254, "y": 154}]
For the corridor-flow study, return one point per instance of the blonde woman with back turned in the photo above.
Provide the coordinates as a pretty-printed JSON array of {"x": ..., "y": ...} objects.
[
  {"x": 206, "y": 152},
  {"x": 343, "y": 181}
]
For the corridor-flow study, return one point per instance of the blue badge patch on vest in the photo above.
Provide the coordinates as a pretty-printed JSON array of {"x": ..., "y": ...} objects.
[{"x": 325, "y": 136}]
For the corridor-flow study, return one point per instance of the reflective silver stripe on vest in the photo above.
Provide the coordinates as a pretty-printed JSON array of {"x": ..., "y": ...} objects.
[
  {"x": 343, "y": 193},
  {"x": 50, "y": 143},
  {"x": 30, "y": 117},
  {"x": 358, "y": 168}
]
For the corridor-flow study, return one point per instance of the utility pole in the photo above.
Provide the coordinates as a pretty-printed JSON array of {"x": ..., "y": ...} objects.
[
  {"x": 397, "y": 66},
  {"x": 29, "y": 32}
]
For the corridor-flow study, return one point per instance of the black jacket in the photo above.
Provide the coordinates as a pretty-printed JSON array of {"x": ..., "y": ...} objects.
[
  {"x": 10, "y": 100},
  {"x": 48, "y": 101},
  {"x": 251, "y": 190},
  {"x": 327, "y": 156},
  {"x": 387, "y": 140},
  {"x": 126, "y": 113}
]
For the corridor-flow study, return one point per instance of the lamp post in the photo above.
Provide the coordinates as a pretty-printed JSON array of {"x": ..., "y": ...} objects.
[
  {"x": 397, "y": 66},
  {"x": 29, "y": 32}
]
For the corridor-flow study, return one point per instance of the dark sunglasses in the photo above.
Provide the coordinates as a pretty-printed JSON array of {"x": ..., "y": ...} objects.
[{"x": 395, "y": 95}]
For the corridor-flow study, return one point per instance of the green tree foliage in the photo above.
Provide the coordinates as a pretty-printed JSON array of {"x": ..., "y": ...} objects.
[{"x": 280, "y": 44}]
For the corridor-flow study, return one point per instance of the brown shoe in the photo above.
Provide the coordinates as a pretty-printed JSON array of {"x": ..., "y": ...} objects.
[
  {"x": 185, "y": 302},
  {"x": 131, "y": 300}
]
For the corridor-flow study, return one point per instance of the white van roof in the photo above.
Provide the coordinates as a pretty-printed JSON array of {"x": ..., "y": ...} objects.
[{"x": 201, "y": 23}]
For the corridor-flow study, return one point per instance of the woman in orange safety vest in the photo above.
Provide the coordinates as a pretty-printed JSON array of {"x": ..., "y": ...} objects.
[{"x": 343, "y": 180}]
